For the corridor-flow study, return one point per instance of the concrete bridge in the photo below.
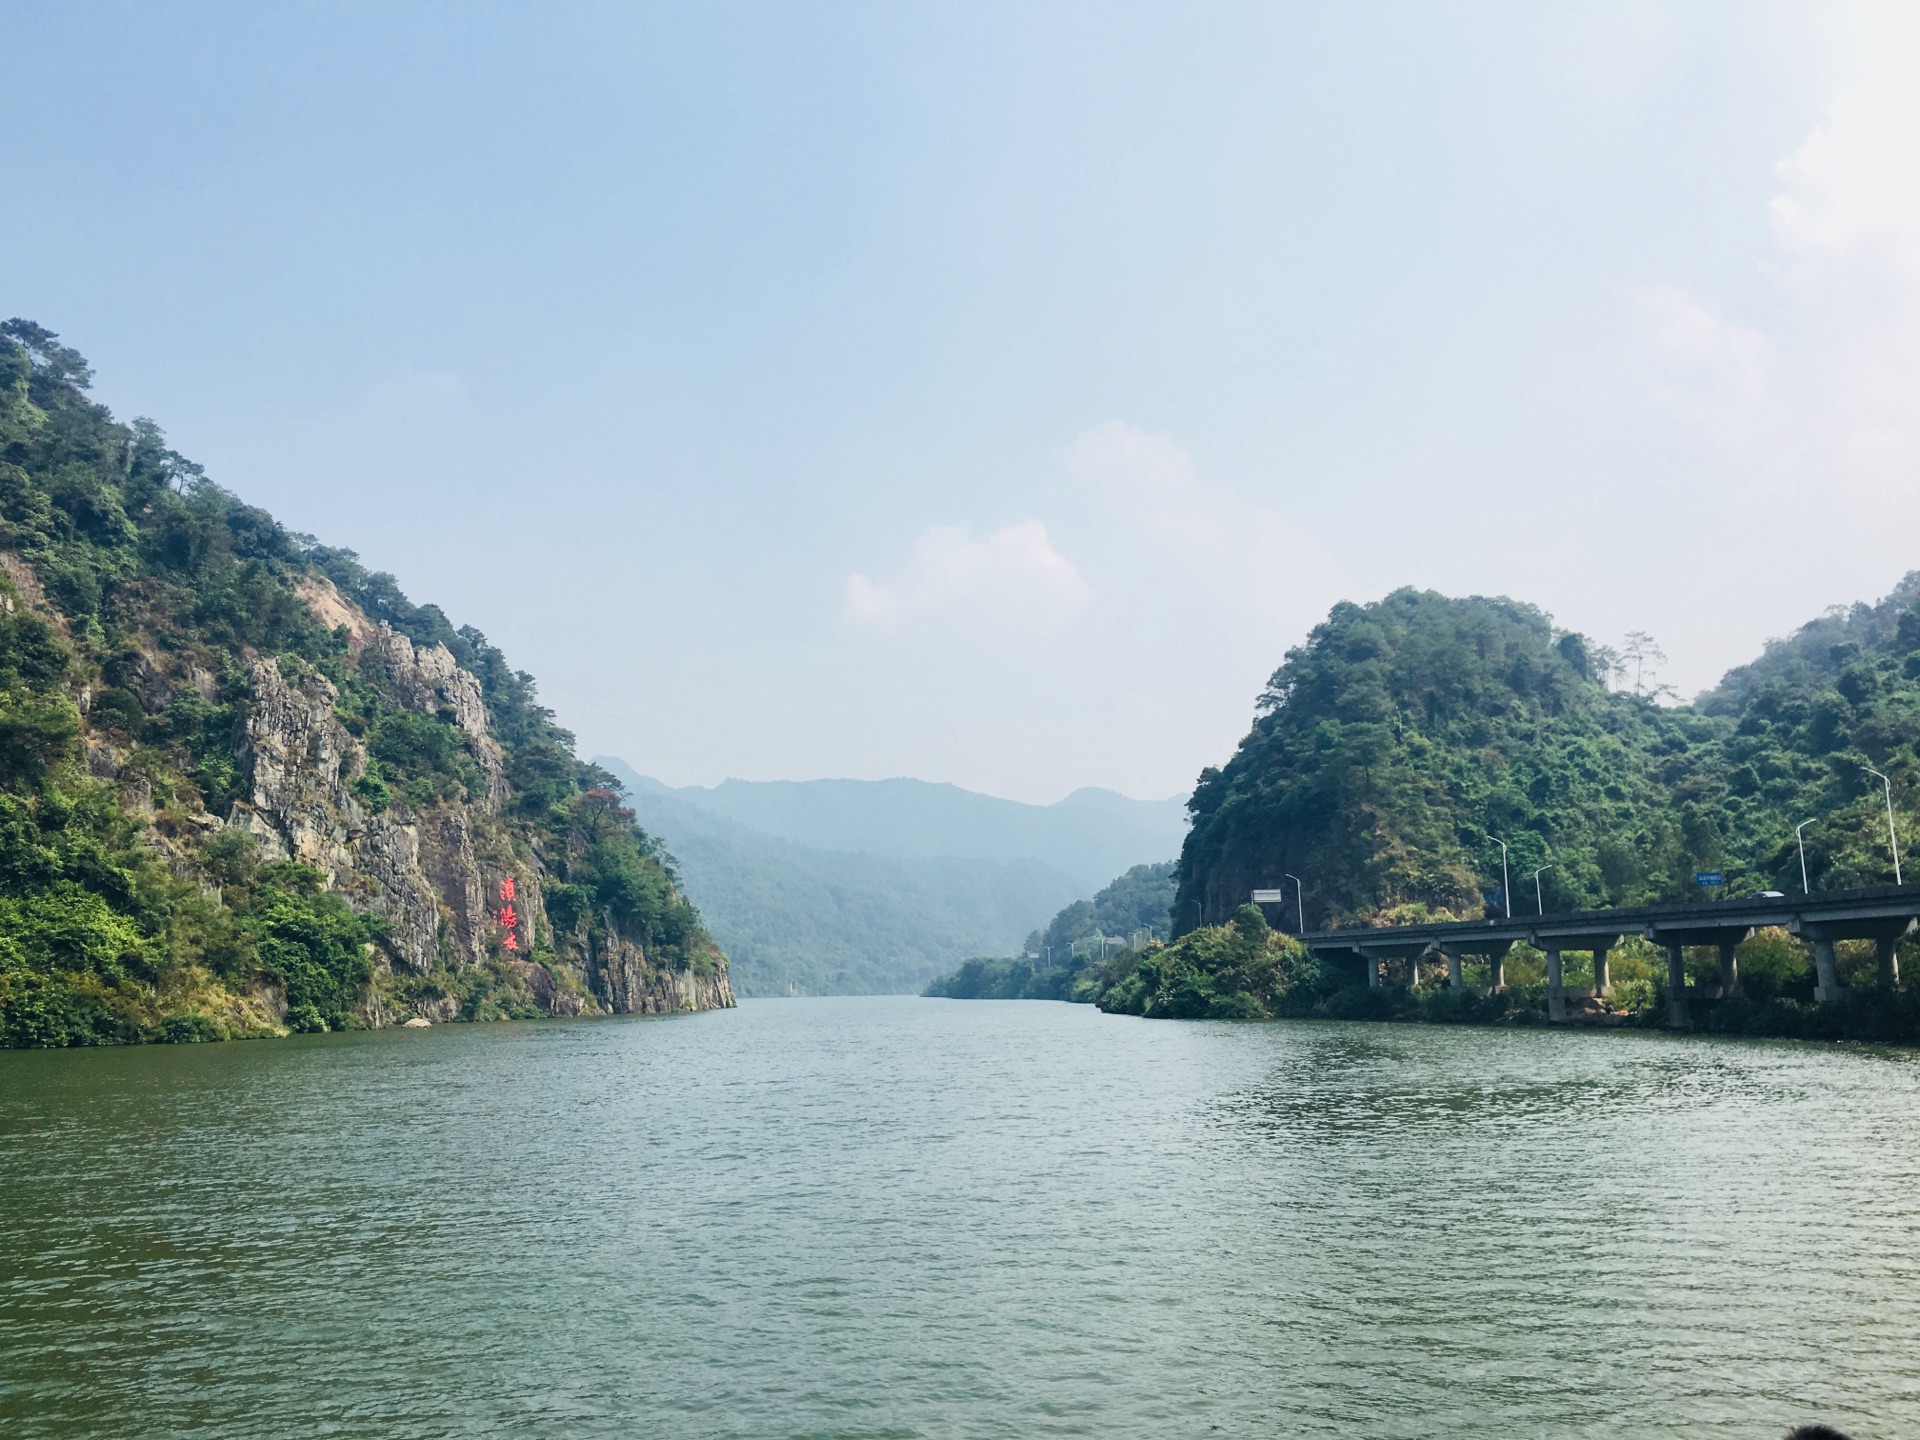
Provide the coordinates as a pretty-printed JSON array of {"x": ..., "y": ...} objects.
[{"x": 1881, "y": 914}]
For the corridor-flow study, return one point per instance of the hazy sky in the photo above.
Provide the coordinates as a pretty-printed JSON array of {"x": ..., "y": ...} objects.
[{"x": 993, "y": 393}]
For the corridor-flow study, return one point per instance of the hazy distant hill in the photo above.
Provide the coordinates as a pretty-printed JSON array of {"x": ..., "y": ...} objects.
[
  {"x": 1091, "y": 835},
  {"x": 862, "y": 886}
]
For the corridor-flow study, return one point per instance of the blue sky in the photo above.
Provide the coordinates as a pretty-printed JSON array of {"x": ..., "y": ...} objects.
[{"x": 993, "y": 393}]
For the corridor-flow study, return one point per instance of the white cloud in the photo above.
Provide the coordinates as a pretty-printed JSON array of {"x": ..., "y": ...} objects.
[
  {"x": 1225, "y": 558},
  {"x": 1818, "y": 393},
  {"x": 1851, "y": 191},
  {"x": 1140, "y": 655},
  {"x": 1012, "y": 580},
  {"x": 1726, "y": 377}
]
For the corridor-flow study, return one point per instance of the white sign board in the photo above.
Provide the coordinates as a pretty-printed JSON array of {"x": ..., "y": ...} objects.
[{"x": 1269, "y": 897}]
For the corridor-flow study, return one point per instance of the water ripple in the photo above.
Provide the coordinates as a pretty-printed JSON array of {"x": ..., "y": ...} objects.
[{"x": 911, "y": 1218}]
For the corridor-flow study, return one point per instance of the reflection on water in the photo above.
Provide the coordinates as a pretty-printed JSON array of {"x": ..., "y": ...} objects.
[{"x": 906, "y": 1217}]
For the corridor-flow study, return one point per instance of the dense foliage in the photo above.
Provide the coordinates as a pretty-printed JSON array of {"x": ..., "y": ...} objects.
[
  {"x": 1393, "y": 745},
  {"x": 1241, "y": 970},
  {"x": 1131, "y": 911},
  {"x": 126, "y": 910},
  {"x": 1137, "y": 906},
  {"x": 1402, "y": 735}
]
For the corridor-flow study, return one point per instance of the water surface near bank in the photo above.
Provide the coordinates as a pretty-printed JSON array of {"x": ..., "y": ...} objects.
[{"x": 897, "y": 1217}]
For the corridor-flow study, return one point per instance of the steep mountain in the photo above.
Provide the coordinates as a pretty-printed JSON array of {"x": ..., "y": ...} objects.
[
  {"x": 1090, "y": 835},
  {"x": 822, "y": 921},
  {"x": 247, "y": 786},
  {"x": 1391, "y": 747}
]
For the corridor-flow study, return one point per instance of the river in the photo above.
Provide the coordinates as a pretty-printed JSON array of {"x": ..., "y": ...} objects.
[{"x": 898, "y": 1217}]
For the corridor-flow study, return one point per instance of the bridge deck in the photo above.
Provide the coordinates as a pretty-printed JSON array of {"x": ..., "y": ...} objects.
[
  {"x": 1870, "y": 913},
  {"x": 1880, "y": 913}
]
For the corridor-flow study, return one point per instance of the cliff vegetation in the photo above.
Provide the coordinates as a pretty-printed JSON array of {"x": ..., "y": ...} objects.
[{"x": 247, "y": 786}]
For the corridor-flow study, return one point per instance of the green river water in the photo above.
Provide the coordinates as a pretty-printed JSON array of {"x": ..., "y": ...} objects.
[{"x": 900, "y": 1217}]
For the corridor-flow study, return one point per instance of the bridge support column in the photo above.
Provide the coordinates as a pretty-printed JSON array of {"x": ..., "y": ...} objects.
[
  {"x": 1889, "y": 959},
  {"x": 1372, "y": 962},
  {"x": 1602, "y": 984},
  {"x": 1826, "y": 974},
  {"x": 1556, "y": 987},
  {"x": 1678, "y": 1016},
  {"x": 1456, "y": 982},
  {"x": 1729, "y": 969},
  {"x": 1497, "y": 972},
  {"x": 1413, "y": 972}
]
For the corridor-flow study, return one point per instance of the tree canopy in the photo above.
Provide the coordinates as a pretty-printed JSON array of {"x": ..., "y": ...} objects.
[
  {"x": 1393, "y": 747},
  {"x": 126, "y": 910}
]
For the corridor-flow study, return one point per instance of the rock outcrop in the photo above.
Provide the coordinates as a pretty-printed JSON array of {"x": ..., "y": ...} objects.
[
  {"x": 249, "y": 786},
  {"x": 300, "y": 762},
  {"x": 428, "y": 681},
  {"x": 434, "y": 874},
  {"x": 633, "y": 987}
]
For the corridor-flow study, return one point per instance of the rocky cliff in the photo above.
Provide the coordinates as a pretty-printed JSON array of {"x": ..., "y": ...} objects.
[{"x": 246, "y": 785}]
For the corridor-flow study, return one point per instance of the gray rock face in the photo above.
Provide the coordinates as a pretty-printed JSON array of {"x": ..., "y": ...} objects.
[
  {"x": 301, "y": 763},
  {"x": 633, "y": 987},
  {"x": 436, "y": 876},
  {"x": 447, "y": 859},
  {"x": 429, "y": 681}
]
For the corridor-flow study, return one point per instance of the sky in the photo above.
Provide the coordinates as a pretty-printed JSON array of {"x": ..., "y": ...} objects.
[{"x": 993, "y": 393}]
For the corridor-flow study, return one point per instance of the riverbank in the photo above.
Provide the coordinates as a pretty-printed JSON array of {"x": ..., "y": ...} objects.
[{"x": 1244, "y": 970}]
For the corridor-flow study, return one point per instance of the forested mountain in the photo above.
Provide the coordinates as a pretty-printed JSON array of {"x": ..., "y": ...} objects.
[
  {"x": 1136, "y": 905},
  {"x": 247, "y": 786},
  {"x": 838, "y": 922},
  {"x": 1390, "y": 746},
  {"x": 1133, "y": 910},
  {"x": 1090, "y": 835}
]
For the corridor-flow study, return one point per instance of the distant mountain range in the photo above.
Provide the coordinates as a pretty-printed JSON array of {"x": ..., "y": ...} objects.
[{"x": 876, "y": 886}]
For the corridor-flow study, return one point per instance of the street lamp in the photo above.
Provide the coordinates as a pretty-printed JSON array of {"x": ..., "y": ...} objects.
[
  {"x": 1893, "y": 839},
  {"x": 1506, "y": 887},
  {"x": 1801, "y": 841},
  {"x": 1300, "y": 898},
  {"x": 1539, "y": 904}
]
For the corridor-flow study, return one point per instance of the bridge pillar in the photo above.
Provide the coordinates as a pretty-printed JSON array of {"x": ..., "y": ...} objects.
[
  {"x": 1678, "y": 1016},
  {"x": 1602, "y": 985},
  {"x": 1884, "y": 952},
  {"x": 1556, "y": 987},
  {"x": 1456, "y": 982},
  {"x": 1729, "y": 969},
  {"x": 1826, "y": 973},
  {"x": 1372, "y": 962},
  {"x": 1413, "y": 972},
  {"x": 1497, "y": 971}
]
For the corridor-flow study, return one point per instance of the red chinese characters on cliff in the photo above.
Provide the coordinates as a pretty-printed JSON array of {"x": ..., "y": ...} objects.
[{"x": 508, "y": 917}]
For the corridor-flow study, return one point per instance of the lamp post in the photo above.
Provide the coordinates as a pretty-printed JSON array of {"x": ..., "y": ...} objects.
[
  {"x": 1506, "y": 887},
  {"x": 1801, "y": 841},
  {"x": 1300, "y": 899},
  {"x": 1539, "y": 904},
  {"x": 1893, "y": 839}
]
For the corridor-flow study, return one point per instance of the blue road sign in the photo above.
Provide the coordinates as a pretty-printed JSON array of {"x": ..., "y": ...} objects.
[{"x": 1709, "y": 877}]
